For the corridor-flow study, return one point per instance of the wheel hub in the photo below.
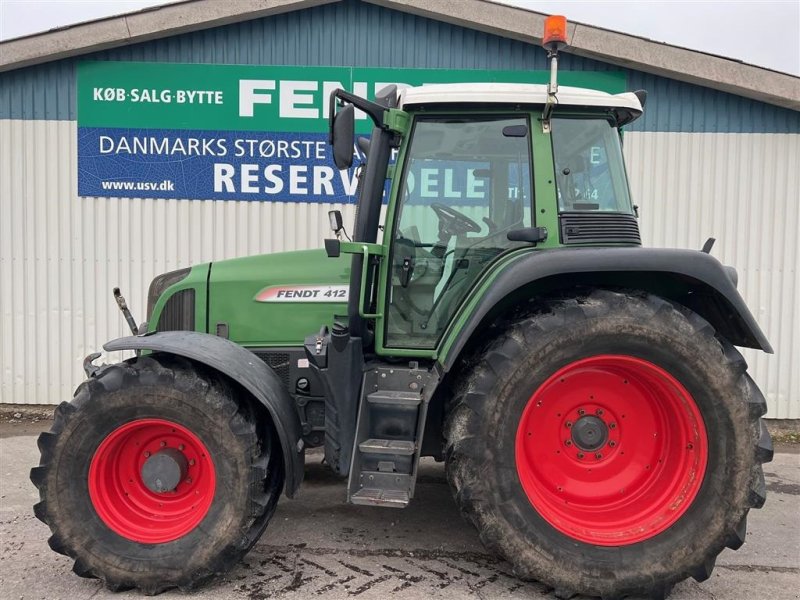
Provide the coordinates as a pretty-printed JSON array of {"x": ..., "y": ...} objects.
[
  {"x": 164, "y": 470},
  {"x": 152, "y": 480},
  {"x": 589, "y": 433}
]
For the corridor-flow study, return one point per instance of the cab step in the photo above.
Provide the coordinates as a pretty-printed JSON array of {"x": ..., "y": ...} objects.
[
  {"x": 380, "y": 497},
  {"x": 375, "y": 446},
  {"x": 396, "y": 398},
  {"x": 391, "y": 421}
]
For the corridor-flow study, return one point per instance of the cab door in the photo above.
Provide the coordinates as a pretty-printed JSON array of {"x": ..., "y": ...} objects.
[{"x": 465, "y": 183}]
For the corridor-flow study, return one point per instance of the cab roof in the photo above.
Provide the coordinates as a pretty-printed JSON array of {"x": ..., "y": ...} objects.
[{"x": 516, "y": 93}]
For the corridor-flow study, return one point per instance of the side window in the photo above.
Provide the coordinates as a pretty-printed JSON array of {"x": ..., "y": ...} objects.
[
  {"x": 467, "y": 183},
  {"x": 589, "y": 167}
]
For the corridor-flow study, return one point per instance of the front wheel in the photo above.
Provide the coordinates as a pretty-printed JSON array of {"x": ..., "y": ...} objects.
[
  {"x": 156, "y": 476},
  {"x": 608, "y": 445}
]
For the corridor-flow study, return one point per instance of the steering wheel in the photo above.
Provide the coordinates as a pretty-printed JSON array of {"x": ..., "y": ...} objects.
[{"x": 453, "y": 222}]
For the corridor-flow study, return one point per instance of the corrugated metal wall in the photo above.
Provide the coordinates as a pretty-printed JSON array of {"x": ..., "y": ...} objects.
[
  {"x": 743, "y": 190},
  {"x": 60, "y": 255}
]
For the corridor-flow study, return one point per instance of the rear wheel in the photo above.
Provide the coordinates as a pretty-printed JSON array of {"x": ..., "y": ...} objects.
[
  {"x": 608, "y": 445},
  {"x": 155, "y": 476}
]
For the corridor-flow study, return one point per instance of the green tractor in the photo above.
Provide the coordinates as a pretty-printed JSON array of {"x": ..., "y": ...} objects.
[{"x": 596, "y": 421}]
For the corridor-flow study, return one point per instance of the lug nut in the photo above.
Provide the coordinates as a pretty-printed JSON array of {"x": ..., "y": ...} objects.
[
  {"x": 568, "y": 424},
  {"x": 599, "y": 412},
  {"x": 581, "y": 412},
  {"x": 191, "y": 463},
  {"x": 188, "y": 480},
  {"x": 180, "y": 447},
  {"x": 146, "y": 454},
  {"x": 162, "y": 444},
  {"x": 612, "y": 443},
  {"x": 598, "y": 456},
  {"x": 568, "y": 443},
  {"x": 580, "y": 454},
  {"x": 612, "y": 425}
]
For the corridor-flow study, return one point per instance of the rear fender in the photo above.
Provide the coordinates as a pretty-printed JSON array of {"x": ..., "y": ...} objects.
[
  {"x": 243, "y": 367},
  {"x": 695, "y": 279}
]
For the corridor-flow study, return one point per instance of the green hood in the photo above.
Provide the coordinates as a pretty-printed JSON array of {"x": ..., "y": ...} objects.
[{"x": 277, "y": 299}]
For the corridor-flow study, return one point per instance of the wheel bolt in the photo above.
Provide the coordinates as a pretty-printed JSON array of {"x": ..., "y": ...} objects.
[
  {"x": 599, "y": 412},
  {"x": 612, "y": 425},
  {"x": 568, "y": 442},
  {"x": 580, "y": 454},
  {"x": 146, "y": 454},
  {"x": 598, "y": 456},
  {"x": 568, "y": 424},
  {"x": 612, "y": 443},
  {"x": 581, "y": 411}
]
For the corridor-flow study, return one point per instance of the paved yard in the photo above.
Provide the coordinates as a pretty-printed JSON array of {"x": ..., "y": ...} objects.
[{"x": 319, "y": 547}]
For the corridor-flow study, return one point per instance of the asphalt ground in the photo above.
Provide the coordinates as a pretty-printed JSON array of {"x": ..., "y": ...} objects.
[{"x": 317, "y": 546}]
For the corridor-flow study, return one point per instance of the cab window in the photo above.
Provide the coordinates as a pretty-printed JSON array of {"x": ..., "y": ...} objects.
[
  {"x": 590, "y": 173},
  {"x": 467, "y": 183}
]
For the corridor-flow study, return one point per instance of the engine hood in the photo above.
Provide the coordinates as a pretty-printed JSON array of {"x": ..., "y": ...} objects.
[{"x": 276, "y": 299}]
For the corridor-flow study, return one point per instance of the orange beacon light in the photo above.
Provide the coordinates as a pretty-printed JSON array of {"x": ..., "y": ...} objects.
[{"x": 555, "y": 33}]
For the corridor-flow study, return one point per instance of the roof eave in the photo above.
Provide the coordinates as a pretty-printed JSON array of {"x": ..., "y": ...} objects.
[{"x": 131, "y": 28}]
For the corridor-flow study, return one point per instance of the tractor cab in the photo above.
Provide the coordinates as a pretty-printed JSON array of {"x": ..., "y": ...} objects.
[{"x": 480, "y": 173}]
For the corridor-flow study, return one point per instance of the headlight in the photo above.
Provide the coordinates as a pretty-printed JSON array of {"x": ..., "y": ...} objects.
[{"x": 160, "y": 284}]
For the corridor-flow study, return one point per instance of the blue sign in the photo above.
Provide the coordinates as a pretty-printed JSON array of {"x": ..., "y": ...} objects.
[{"x": 215, "y": 165}]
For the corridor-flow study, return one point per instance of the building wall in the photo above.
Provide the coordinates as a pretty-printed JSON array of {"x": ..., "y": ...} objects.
[{"x": 702, "y": 163}]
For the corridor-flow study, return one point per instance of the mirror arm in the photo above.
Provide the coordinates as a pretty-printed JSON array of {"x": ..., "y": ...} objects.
[{"x": 373, "y": 110}]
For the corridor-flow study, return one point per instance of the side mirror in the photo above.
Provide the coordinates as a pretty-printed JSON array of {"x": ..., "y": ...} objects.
[{"x": 342, "y": 136}]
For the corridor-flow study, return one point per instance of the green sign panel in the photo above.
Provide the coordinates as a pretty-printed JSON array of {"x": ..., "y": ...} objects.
[{"x": 256, "y": 98}]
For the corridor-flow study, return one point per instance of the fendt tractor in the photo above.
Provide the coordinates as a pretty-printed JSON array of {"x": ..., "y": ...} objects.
[{"x": 497, "y": 312}]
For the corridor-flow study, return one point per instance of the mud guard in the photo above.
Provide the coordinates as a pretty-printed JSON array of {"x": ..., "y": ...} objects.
[
  {"x": 243, "y": 367},
  {"x": 695, "y": 279}
]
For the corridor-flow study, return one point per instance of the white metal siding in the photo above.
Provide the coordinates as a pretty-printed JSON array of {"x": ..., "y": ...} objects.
[
  {"x": 60, "y": 255},
  {"x": 743, "y": 190}
]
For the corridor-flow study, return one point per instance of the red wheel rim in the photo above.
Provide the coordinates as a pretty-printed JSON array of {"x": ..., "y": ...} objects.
[
  {"x": 647, "y": 468},
  {"x": 128, "y": 506}
]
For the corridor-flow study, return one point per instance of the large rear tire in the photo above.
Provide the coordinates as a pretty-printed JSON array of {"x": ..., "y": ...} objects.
[
  {"x": 608, "y": 445},
  {"x": 155, "y": 476}
]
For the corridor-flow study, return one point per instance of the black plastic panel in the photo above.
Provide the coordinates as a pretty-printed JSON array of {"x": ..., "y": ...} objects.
[
  {"x": 593, "y": 228},
  {"x": 178, "y": 313}
]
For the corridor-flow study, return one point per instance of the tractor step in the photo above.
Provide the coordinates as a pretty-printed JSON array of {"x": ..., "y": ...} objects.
[
  {"x": 373, "y": 446},
  {"x": 397, "y": 398},
  {"x": 391, "y": 420},
  {"x": 379, "y": 497}
]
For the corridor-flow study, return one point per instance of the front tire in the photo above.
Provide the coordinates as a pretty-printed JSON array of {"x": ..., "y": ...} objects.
[
  {"x": 155, "y": 476},
  {"x": 608, "y": 445}
]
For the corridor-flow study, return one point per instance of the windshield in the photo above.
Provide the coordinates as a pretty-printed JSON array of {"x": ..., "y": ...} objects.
[{"x": 589, "y": 169}]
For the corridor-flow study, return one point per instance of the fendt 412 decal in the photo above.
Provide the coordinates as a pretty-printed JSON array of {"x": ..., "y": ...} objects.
[{"x": 303, "y": 293}]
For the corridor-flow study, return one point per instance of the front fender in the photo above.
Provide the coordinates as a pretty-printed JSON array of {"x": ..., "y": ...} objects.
[
  {"x": 694, "y": 279},
  {"x": 243, "y": 367}
]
